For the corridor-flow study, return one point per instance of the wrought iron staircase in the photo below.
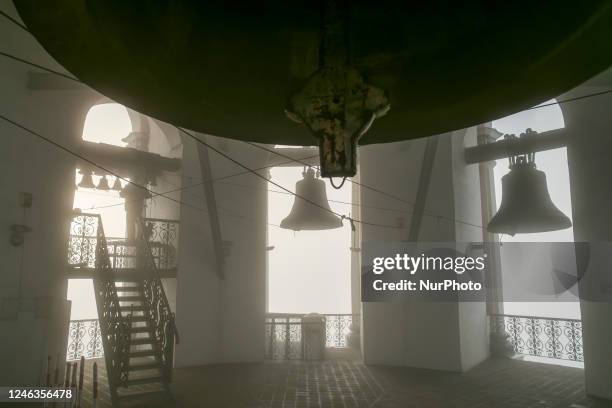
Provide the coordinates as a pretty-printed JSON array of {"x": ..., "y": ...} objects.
[{"x": 136, "y": 322}]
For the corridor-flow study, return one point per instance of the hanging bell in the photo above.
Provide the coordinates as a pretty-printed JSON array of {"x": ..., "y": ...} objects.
[
  {"x": 306, "y": 216},
  {"x": 526, "y": 206},
  {"x": 103, "y": 184},
  {"x": 117, "y": 184},
  {"x": 87, "y": 180}
]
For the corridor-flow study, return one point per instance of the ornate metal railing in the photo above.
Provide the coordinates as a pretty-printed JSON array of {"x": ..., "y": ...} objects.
[
  {"x": 163, "y": 236},
  {"x": 82, "y": 253},
  {"x": 82, "y": 241},
  {"x": 541, "y": 336},
  {"x": 296, "y": 336},
  {"x": 113, "y": 326},
  {"x": 84, "y": 339},
  {"x": 157, "y": 309},
  {"x": 338, "y": 327},
  {"x": 122, "y": 253},
  {"x": 284, "y": 335}
]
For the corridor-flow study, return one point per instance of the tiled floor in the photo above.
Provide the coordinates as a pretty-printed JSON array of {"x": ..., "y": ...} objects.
[{"x": 346, "y": 383}]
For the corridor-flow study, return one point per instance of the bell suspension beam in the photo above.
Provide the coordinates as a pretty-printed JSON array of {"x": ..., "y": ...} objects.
[{"x": 504, "y": 149}]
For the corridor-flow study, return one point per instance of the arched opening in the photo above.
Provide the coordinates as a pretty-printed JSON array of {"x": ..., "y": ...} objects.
[
  {"x": 309, "y": 272},
  {"x": 554, "y": 164},
  {"x": 107, "y": 123}
]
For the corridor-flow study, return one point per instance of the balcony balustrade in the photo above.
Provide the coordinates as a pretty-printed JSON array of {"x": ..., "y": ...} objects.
[
  {"x": 541, "y": 336},
  {"x": 298, "y": 336}
]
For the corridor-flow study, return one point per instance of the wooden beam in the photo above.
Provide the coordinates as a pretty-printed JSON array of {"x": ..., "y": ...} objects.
[
  {"x": 502, "y": 149},
  {"x": 211, "y": 206},
  {"x": 126, "y": 159}
]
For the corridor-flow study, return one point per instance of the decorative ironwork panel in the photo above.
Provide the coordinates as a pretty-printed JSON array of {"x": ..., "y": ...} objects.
[
  {"x": 337, "y": 329},
  {"x": 122, "y": 253},
  {"x": 84, "y": 339},
  {"x": 88, "y": 249},
  {"x": 162, "y": 236},
  {"x": 284, "y": 338},
  {"x": 542, "y": 337},
  {"x": 114, "y": 326},
  {"x": 83, "y": 241},
  {"x": 291, "y": 337},
  {"x": 157, "y": 310}
]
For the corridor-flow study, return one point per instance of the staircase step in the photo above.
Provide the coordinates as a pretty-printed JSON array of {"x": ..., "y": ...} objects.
[
  {"x": 143, "y": 329},
  {"x": 144, "y": 340},
  {"x": 128, "y": 278},
  {"x": 131, "y": 298},
  {"x": 145, "y": 366},
  {"x": 135, "y": 308},
  {"x": 137, "y": 288},
  {"x": 144, "y": 353},
  {"x": 138, "y": 319},
  {"x": 145, "y": 380}
]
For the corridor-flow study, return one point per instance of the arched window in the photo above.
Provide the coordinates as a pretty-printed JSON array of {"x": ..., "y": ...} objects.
[
  {"x": 107, "y": 123},
  {"x": 552, "y": 162}
]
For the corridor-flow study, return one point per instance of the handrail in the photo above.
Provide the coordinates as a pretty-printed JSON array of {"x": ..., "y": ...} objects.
[
  {"x": 557, "y": 319},
  {"x": 151, "y": 260},
  {"x": 158, "y": 309},
  {"x": 550, "y": 337},
  {"x": 306, "y": 314},
  {"x": 161, "y": 220},
  {"x": 114, "y": 327}
]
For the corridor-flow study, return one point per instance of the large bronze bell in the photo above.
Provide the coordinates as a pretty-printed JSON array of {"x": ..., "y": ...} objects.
[
  {"x": 103, "y": 184},
  {"x": 87, "y": 180},
  {"x": 526, "y": 206},
  {"x": 306, "y": 216},
  {"x": 117, "y": 184},
  {"x": 229, "y": 68}
]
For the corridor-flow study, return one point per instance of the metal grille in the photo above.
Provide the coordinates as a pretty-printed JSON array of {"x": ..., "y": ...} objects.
[
  {"x": 290, "y": 337},
  {"x": 337, "y": 329},
  {"x": 84, "y": 339},
  {"x": 83, "y": 241},
  {"x": 541, "y": 337},
  {"x": 162, "y": 236},
  {"x": 122, "y": 253}
]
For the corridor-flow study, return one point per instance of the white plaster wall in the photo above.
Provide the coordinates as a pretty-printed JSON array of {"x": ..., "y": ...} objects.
[
  {"x": 589, "y": 146},
  {"x": 198, "y": 288},
  {"x": 445, "y": 336},
  {"x": 38, "y": 326},
  {"x": 473, "y": 320},
  {"x": 222, "y": 321}
]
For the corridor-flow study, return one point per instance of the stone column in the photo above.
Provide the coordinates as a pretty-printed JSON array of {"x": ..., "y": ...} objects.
[
  {"x": 589, "y": 124},
  {"x": 449, "y": 336},
  {"x": 134, "y": 206},
  {"x": 34, "y": 312}
]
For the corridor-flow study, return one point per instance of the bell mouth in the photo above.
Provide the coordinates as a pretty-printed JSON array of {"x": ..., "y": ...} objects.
[
  {"x": 330, "y": 222},
  {"x": 526, "y": 206},
  {"x": 528, "y": 224},
  {"x": 311, "y": 210}
]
